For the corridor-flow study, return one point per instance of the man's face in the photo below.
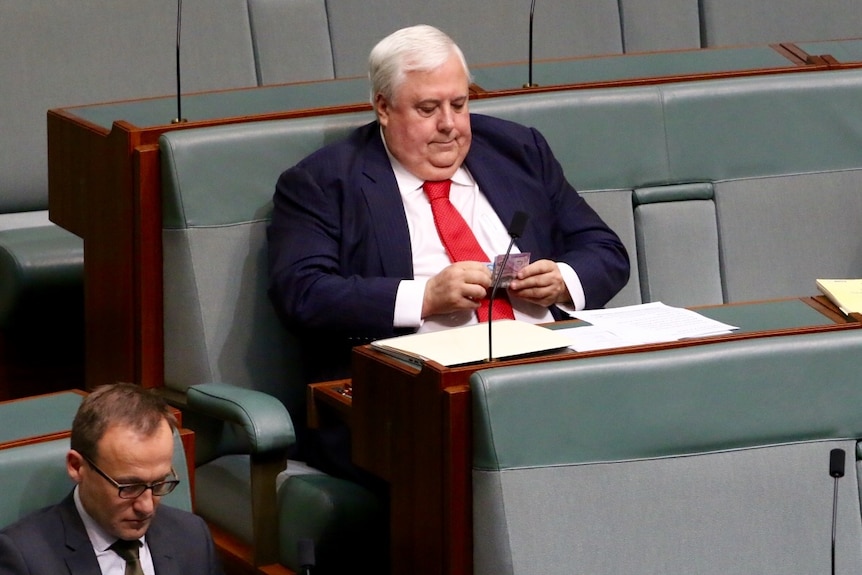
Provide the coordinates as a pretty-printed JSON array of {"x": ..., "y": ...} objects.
[
  {"x": 127, "y": 457},
  {"x": 427, "y": 127}
]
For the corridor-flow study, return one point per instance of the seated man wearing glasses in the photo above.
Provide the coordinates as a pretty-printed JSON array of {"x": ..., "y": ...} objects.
[{"x": 120, "y": 459}]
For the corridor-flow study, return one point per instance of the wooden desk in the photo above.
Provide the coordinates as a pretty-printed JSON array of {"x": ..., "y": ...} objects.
[{"x": 411, "y": 427}]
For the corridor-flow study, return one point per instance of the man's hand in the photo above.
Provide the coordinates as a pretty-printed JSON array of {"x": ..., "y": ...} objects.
[
  {"x": 458, "y": 287},
  {"x": 540, "y": 283}
]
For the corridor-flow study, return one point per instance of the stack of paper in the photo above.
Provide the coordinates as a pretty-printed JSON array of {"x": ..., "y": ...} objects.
[{"x": 640, "y": 324}]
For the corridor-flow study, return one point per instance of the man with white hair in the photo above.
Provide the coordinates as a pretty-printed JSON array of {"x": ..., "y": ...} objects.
[{"x": 391, "y": 230}]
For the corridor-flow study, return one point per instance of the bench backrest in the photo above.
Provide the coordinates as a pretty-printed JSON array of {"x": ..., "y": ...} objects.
[
  {"x": 34, "y": 476},
  {"x": 733, "y": 22},
  {"x": 709, "y": 459},
  {"x": 722, "y": 191}
]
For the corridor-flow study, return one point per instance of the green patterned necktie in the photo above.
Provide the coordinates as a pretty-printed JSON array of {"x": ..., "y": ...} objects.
[{"x": 130, "y": 551}]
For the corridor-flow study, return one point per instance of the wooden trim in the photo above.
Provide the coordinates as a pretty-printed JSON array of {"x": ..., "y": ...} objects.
[{"x": 148, "y": 280}]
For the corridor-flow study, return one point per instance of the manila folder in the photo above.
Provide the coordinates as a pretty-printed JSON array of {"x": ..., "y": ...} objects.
[{"x": 469, "y": 344}]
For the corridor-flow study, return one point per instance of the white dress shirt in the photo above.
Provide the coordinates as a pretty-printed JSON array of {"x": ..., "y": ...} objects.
[
  {"x": 429, "y": 255},
  {"x": 109, "y": 562}
]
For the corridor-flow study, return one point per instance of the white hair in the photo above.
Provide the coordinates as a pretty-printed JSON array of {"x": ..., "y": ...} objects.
[{"x": 419, "y": 48}]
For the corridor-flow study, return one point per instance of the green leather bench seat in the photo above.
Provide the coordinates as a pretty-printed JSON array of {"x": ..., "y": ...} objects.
[
  {"x": 227, "y": 353},
  {"x": 251, "y": 43},
  {"x": 779, "y": 152},
  {"x": 41, "y": 275},
  {"x": 722, "y": 191},
  {"x": 34, "y": 476},
  {"x": 709, "y": 459}
]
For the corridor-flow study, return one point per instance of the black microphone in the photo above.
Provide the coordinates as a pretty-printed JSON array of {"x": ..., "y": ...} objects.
[
  {"x": 179, "y": 119},
  {"x": 305, "y": 555},
  {"x": 516, "y": 228},
  {"x": 529, "y": 83},
  {"x": 836, "y": 470}
]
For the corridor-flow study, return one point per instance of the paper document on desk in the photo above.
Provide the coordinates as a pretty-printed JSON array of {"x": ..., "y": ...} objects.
[
  {"x": 844, "y": 293},
  {"x": 641, "y": 324},
  {"x": 469, "y": 344}
]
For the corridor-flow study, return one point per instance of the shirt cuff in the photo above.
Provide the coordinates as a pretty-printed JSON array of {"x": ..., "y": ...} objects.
[
  {"x": 408, "y": 303},
  {"x": 576, "y": 289}
]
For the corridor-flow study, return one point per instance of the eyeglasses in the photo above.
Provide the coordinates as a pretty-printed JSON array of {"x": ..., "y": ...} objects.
[{"x": 135, "y": 490}]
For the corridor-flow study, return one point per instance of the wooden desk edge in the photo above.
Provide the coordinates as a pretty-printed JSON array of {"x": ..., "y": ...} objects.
[{"x": 333, "y": 394}]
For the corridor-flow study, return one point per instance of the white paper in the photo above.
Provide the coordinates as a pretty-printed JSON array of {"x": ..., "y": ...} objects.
[{"x": 640, "y": 324}]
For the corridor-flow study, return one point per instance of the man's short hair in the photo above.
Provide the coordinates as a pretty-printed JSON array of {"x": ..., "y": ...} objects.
[
  {"x": 415, "y": 49},
  {"x": 122, "y": 404}
]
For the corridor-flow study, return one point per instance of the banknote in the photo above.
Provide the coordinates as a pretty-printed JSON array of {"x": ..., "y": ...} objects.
[{"x": 514, "y": 264}]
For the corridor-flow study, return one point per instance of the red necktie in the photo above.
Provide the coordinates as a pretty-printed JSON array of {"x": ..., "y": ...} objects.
[{"x": 459, "y": 241}]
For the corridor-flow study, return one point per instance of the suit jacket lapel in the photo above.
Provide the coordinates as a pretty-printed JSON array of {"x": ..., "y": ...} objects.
[
  {"x": 163, "y": 549},
  {"x": 389, "y": 221},
  {"x": 484, "y": 166},
  {"x": 78, "y": 554}
]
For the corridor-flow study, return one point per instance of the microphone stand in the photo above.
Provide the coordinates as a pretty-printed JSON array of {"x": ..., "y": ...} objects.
[
  {"x": 491, "y": 301},
  {"x": 179, "y": 119},
  {"x": 836, "y": 470},
  {"x": 516, "y": 228},
  {"x": 529, "y": 83}
]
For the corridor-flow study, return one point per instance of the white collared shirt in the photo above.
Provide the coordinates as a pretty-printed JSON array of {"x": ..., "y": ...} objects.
[
  {"x": 109, "y": 562},
  {"x": 429, "y": 255}
]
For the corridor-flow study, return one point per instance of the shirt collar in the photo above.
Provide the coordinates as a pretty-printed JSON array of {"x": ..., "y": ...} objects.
[
  {"x": 409, "y": 182},
  {"x": 99, "y": 538}
]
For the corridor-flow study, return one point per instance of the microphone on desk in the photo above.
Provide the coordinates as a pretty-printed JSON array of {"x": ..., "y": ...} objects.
[
  {"x": 179, "y": 119},
  {"x": 516, "y": 228},
  {"x": 305, "y": 555},
  {"x": 836, "y": 470},
  {"x": 529, "y": 83}
]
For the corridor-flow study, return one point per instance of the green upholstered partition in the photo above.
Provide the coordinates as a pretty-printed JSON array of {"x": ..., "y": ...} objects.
[
  {"x": 732, "y": 22},
  {"x": 705, "y": 459}
]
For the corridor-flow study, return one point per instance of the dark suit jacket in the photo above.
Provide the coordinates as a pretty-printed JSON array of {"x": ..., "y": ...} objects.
[
  {"x": 53, "y": 541},
  {"x": 339, "y": 243}
]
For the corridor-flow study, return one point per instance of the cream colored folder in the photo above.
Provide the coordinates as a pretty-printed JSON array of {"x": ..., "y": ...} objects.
[{"x": 469, "y": 344}]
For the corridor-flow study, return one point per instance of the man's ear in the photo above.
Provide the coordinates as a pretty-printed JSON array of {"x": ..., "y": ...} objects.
[
  {"x": 74, "y": 463},
  {"x": 381, "y": 108}
]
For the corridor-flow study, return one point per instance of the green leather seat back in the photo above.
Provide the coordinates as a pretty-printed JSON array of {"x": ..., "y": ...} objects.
[
  {"x": 217, "y": 200},
  {"x": 34, "y": 476},
  {"x": 733, "y": 22},
  {"x": 709, "y": 459}
]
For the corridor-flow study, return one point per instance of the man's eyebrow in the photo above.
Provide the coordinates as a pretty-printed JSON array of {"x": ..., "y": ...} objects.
[
  {"x": 436, "y": 101},
  {"x": 134, "y": 479}
]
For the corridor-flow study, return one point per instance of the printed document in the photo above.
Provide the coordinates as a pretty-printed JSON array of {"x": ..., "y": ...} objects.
[{"x": 640, "y": 324}]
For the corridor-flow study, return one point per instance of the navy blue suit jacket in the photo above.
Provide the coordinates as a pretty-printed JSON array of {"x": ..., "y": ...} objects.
[
  {"x": 53, "y": 541},
  {"x": 339, "y": 242}
]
